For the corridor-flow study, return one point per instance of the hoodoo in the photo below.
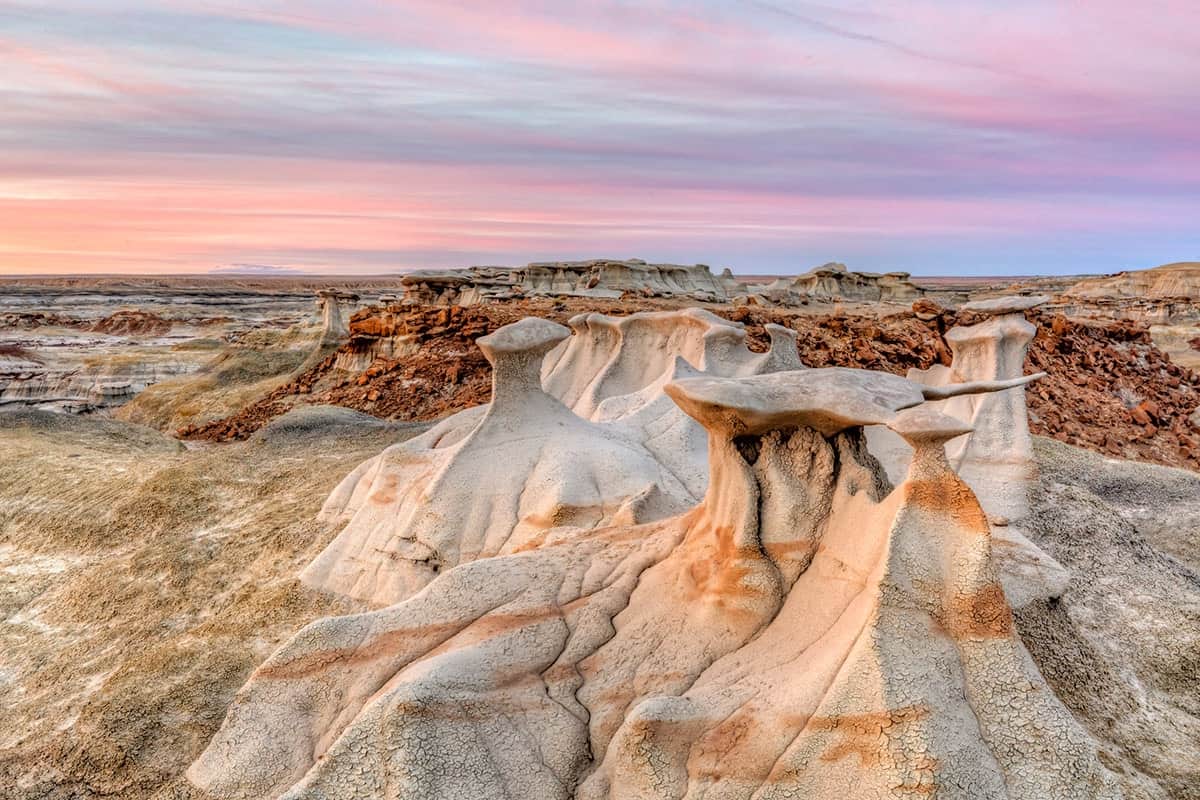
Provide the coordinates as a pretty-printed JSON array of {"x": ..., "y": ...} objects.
[{"x": 805, "y": 631}]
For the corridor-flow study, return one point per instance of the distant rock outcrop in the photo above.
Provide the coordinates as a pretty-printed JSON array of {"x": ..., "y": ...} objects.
[
  {"x": 132, "y": 323},
  {"x": 611, "y": 279},
  {"x": 833, "y": 281},
  {"x": 1166, "y": 295},
  {"x": 600, "y": 278},
  {"x": 1180, "y": 279}
]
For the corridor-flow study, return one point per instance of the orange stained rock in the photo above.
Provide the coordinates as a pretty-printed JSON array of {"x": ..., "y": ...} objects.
[
  {"x": 985, "y": 614},
  {"x": 946, "y": 493},
  {"x": 393, "y": 641},
  {"x": 865, "y": 735}
]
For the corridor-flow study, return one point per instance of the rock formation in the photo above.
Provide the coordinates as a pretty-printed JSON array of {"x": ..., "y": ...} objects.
[
  {"x": 833, "y": 281},
  {"x": 132, "y": 323},
  {"x": 334, "y": 305},
  {"x": 79, "y": 386},
  {"x": 1180, "y": 279},
  {"x": 600, "y": 442},
  {"x": 804, "y": 631},
  {"x": 996, "y": 460},
  {"x": 612, "y": 372},
  {"x": 600, "y": 278},
  {"x": 1166, "y": 295}
]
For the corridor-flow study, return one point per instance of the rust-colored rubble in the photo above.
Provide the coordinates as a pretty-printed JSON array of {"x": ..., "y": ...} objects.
[{"x": 1109, "y": 388}]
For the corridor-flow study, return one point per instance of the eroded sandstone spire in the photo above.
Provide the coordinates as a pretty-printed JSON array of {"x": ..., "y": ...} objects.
[{"x": 997, "y": 458}]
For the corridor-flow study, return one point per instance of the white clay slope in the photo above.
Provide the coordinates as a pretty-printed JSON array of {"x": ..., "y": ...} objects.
[{"x": 800, "y": 633}]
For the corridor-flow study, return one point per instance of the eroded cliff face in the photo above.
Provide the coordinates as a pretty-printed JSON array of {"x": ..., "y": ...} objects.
[
  {"x": 1166, "y": 299},
  {"x": 77, "y": 366}
]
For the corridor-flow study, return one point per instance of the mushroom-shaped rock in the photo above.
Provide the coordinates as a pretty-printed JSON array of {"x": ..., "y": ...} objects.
[
  {"x": 1010, "y": 304},
  {"x": 515, "y": 353},
  {"x": 827, "y": 400},
  {"x": 997, "y": 458},
  {"x": 333, "y": 320},
  {"x": 925, "y": 428}
]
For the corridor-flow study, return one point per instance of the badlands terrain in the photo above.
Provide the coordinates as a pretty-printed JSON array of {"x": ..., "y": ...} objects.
[{"x": 603, "y": 529}]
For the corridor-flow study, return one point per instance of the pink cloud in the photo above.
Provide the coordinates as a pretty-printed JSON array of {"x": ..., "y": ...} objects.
[{"x": 529, "y": 129}]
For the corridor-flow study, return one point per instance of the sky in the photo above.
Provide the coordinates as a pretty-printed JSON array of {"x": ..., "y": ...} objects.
[{"x": 941, "y": 137}]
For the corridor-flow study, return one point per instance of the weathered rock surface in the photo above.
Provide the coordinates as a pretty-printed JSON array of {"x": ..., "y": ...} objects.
[{"x": 802, "y": 632}]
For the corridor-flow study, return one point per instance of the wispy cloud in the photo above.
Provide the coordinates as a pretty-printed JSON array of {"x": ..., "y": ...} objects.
[{"x": 357, "y": 135}]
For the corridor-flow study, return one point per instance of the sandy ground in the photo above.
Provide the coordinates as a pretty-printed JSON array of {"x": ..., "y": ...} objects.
[{"x": 140, "y": 582}]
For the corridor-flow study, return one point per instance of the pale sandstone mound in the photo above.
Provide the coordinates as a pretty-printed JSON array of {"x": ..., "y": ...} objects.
[
  {"x": 513, "y": 470},
  {"x": 833, "y": 281},
  {"x": 602, "y": 278},
  {"x": 1180, "y": 279},
  {"x": 800, "y": 633},
  {"x": 610, "y": 357}
]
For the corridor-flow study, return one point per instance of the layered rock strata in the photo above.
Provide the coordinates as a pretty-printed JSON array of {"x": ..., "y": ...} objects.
[{"x": 1177, "y": 280}]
